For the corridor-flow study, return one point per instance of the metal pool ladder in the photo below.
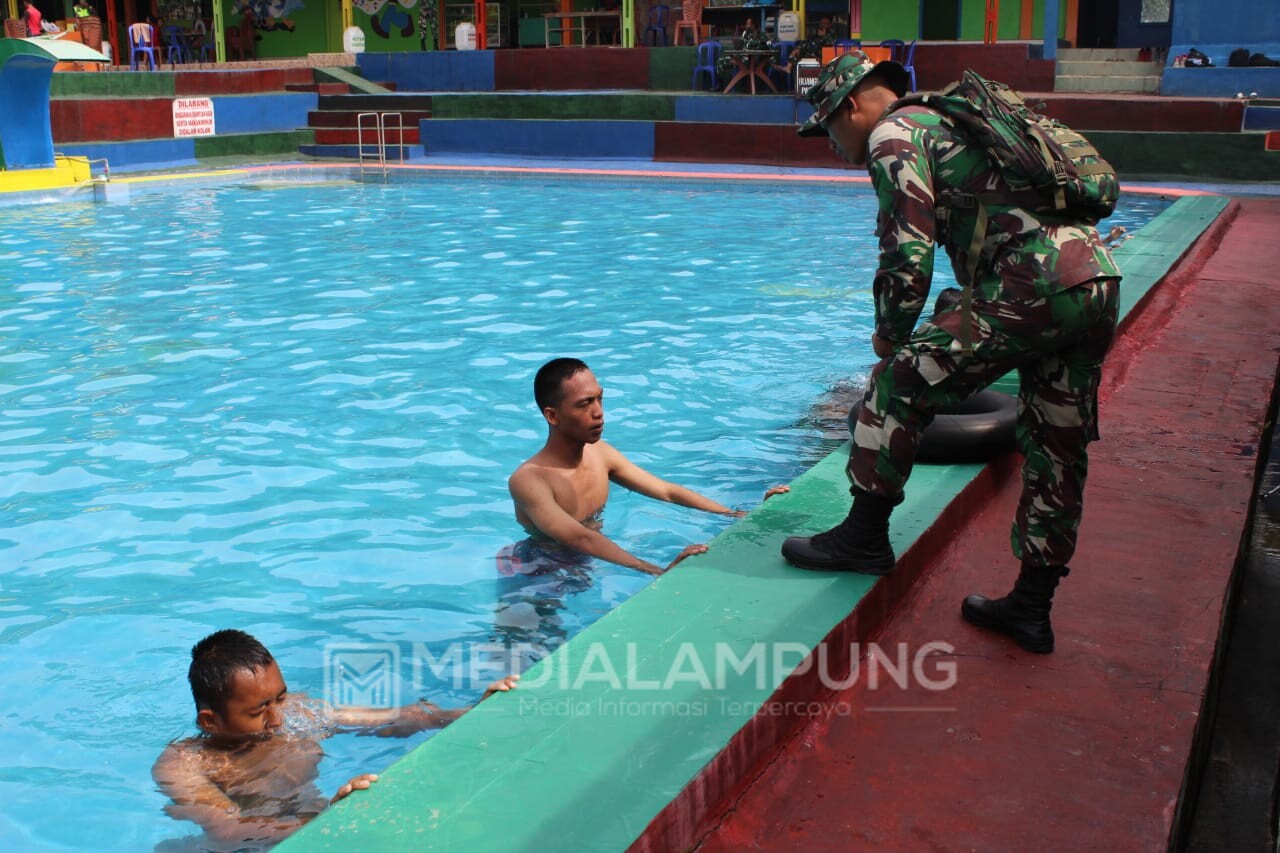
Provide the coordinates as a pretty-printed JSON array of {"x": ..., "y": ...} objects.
[{"x": 375, "y": 153}]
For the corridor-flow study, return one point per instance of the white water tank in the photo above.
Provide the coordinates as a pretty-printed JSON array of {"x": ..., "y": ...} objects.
[
  {"x": 788, "y": 26},
  {"x": 464, "y": 36},
  {"x": 353, "y": 40}
]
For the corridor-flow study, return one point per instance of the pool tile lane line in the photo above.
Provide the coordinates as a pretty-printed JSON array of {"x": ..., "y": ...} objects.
[
  {"x": 617, "y": 731},
  {"x": 1093, "y": 747}
]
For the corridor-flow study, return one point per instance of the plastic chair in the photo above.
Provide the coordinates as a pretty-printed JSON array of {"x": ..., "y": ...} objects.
[
  {"x": 909, "y": 63},
  {"x": 177, "y": 51},
  {"x": 691, "y": 20},
  {"x": 708, "y": 57},
  {"x": 895, "y": 48},
  {"x": 15, "y": 28},
  {"x": 657, "y": 24},
  {"x": 783, "y": 66},
  {"x": 241, "y": 38},
  {"x": 90, "y": 30},
  {"x": 142, "y": 40},
  {"x": 847, "y": 45}
]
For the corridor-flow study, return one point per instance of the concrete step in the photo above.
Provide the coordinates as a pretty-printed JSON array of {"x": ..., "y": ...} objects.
[
  {"x": 1261, "y": 117},
  {"x": 320, "y": 88},
  {"x": 1081, "y": 83},
  {"x": 1107, "y": 67},
  {"x": 403, "y": 102},
  {"x": 1073, "y": 54},
  {"x": 334, "y": 119},
  {"x": 351, "y": 136},
  {"x": 352, "y": 152}
]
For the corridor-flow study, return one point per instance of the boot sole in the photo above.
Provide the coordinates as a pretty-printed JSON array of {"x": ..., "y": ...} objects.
[
  {"x": 975, "y": 617},
  {"x": 863, "y": 567}
]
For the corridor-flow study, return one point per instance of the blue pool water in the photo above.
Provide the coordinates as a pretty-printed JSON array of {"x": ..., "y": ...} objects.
[{"x": 292, "y": 410}]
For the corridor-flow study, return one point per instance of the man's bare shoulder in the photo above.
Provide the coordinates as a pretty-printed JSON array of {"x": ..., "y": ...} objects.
[
  {"x": 180, "y": 760},
  {"x": 531, "y": 472}
]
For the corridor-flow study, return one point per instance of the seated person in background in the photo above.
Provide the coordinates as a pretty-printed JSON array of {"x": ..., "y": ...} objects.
[
  {"x": 749, "y": 39},
  {"x": 810, "y": 48},
  {"x": 195, "y": 40},
  {"x": 560, "y": 492},
  {"x": 249, "y": 778},
  {"x": 82, "y": 9}
]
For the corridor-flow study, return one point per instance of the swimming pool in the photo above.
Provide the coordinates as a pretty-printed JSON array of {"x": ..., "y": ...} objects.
[{"x": 292, "y": 409}]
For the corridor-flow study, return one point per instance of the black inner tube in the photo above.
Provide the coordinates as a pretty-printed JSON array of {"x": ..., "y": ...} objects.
[{"x": 977, "y": 429}]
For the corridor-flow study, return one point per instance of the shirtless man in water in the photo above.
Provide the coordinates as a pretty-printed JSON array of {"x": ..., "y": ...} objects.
[
  {"x": 249, "y": 779},
  {"x": 560, "y": 492}
]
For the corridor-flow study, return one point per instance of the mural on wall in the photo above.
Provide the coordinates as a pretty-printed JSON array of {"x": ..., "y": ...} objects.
[
  {"x": 427, "y": 23},
  {"x": 269, "y": 15},
  {"x": 390, "y": 16}
]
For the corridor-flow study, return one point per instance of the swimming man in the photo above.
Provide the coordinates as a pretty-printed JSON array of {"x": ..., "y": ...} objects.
[
  {"x": 249, "y": 778},
  {"x": 560, "y": 492}
]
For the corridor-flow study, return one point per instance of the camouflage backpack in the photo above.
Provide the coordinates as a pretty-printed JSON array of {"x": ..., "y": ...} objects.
[
  {"x": 1032, "y": 151},
  {"x": 1035, "y": 154}
]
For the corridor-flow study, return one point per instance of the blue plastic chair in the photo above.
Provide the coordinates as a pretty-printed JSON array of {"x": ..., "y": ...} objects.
[
  {"x": 708, "y": 57},
  {"x": 174, "y": 46},
  {"x": 895, "y": 48},
  {"x": 909, "y": 63},
  {"x": 657, "y": 25},
  {"x": 142, "y": 40},
  {"x": 847, "y": 45},
  {"x": 784, "y": 58}
]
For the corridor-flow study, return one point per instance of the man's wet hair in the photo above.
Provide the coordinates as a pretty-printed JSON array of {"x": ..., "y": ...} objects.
[
  {"x": 548, "y": 384},
  {"x": 216, "y": 659}
]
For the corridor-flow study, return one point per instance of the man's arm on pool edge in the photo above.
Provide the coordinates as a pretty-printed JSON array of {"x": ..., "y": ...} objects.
[
  {"x": 409, "y": 719},
  {"x": 534, "y": 497},
  {"x": 631, "y": 476}
]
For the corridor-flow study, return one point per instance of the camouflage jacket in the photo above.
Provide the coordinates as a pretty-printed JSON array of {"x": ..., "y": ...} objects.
[{"x": 918, "y": 160}]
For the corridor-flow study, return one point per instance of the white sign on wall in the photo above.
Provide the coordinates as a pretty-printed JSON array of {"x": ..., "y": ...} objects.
[{"x": 193, "y": 117}]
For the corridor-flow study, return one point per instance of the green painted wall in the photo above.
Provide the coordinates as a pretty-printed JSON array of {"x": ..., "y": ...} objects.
[
  {"x": 250, "y": 144},
  {"x": 889, "y": 19},
  {"x": 76, "y": 84},
  {"x": 885, "y": 19},
  {"x": 298, "y": 32},
  {"x": 1203, "y": 156},
  {"x": 974, "y": 15},
  {"x": 392, "y": 28},
  {"x": 671, "y": 68}
]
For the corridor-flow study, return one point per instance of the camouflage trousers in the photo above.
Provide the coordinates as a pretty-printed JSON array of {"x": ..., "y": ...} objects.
[{"x": 1057, "y": 345}]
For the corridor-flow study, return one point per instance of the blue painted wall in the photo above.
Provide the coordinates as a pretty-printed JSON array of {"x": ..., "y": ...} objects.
[
  {"x": 536, "y": 138},
  {"x": 432, "y": 71},
  {"x": 1131, "y": 32},
  {"x": 1218, "y": 27},
  {"x": 1240, "y": 23},
  {"x": 26, "y": 136},
  {"x": 144, "y": 153},
  {"x": 262, "y": 113}
]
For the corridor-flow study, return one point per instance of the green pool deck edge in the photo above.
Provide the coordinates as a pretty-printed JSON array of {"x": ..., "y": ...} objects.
[{"x": 604, "y": 734}]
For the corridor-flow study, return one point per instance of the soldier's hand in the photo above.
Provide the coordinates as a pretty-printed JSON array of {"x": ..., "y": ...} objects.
[{"x": 883, "y": 348}]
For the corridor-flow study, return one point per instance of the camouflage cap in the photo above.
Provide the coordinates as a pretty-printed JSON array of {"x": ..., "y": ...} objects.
[{"x": 839, "y": 78}]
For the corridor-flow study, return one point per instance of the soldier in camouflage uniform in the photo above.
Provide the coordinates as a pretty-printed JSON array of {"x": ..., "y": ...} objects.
[
  {"x": 750, "y": 39},
  {"x": 1045, "y": 297}
]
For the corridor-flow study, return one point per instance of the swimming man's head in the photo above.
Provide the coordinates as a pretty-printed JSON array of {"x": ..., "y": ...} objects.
[
  {"x": 570, "y": 399},
  {"x": 548, "y": 384},
  {"x": 236, "y": 685}
]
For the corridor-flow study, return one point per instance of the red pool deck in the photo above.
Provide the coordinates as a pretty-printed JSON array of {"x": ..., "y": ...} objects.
[{"x": 1088, "y": 748}]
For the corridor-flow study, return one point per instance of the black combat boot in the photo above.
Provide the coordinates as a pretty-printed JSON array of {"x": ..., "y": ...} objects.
[
  {"x": 860, "y": 543},
  {"x": 1022, "y": 614}
]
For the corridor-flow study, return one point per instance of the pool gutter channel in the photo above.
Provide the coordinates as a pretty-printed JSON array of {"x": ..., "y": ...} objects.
[{"x": 590, "y": 752}]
